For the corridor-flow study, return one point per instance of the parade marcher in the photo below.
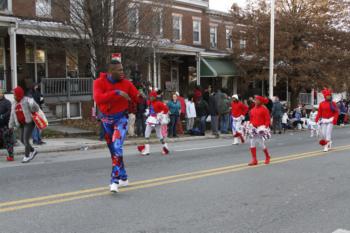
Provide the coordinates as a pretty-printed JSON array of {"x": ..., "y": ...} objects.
[
  {"x": 21, "y": 117},
  {"x": 327, "y": 117},
  {"x": 238, "y": 112},
  {"x": 155, "y": 110},
  {"x": 6, "y": 134},
  {"x": 258, "y": 129},
  {"x": 112, "y": 93},
  {"x": 312, "y": 125}
]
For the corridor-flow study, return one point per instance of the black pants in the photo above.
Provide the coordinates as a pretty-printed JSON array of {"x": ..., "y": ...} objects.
[
  {"x": 277, "y": 124},
  {"x": 140, "y": 126},
  {"x": 25, "y": 132}
]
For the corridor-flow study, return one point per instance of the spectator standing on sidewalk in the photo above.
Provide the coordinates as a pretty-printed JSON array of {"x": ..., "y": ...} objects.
[
  {"x": 132, "y": 118},
  {"x": 179, "y": 127},
  {"x": 174, "y": 110},
  {"x": 202, "y": 110},
  {"x": 39, "y": 99},
  {"x": 190, "y": 114},
  {"x": 277, "y": 113},
  {"x": 140, "y": 116},
  {"x": 342, "y": 112},
  {"x": 225, "y": 114},
  {"x": 21, "y": 117},
  {"x": 6, "y": 134},
  {"x": 214, "y": 114}
]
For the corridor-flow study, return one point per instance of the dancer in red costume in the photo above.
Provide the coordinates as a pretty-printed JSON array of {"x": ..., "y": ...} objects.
[
  {"x": 112, "y": 94},
  {"x": 238, "y": 112},
  {"x": 258, "y": 129},
  {"x": 157, "y": 112},
  {"x": 327, "y": 117}
]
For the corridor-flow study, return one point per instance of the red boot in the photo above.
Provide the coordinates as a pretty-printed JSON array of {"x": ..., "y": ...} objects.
[
  {"x": 254, "y": 161},
  {"x": 267, "y": 156}
]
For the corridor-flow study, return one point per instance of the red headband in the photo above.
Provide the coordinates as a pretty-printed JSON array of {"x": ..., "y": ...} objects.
[
  {"x": 262, "y": 99},
  {"x": 326, "y": 92}
]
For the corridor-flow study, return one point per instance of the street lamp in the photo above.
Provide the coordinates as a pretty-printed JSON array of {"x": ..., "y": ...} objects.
[{"x": 272, "y": 47}]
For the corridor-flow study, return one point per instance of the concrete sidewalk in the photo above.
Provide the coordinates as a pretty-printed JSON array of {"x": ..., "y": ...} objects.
[{"x": 74, "y": 144}]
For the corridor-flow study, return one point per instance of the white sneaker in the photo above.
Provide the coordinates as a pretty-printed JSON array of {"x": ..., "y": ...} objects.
[
  {"x": 146, "y": 151},
  {"x": 326, "y": 148},
  {"x": 235, "y": 141},
  {"x": 123, "y": 183},
  {"x": 32, "y": 155},
  {"x": 26, "y": 159},
  {"x": 114, "y": 188}
]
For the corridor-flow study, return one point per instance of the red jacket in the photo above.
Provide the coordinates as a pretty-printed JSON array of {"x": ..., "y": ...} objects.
[
  {"x": 183, "y": 104},
  {"x": 238, "y": 109},
  {"x": 106, "y": 98},
  {"x": 259, "y": 116},
  {"x": 325, "y": 112}
]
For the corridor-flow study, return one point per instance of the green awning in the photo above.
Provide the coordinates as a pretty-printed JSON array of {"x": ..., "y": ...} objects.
[{"x": 217, "y": 67}]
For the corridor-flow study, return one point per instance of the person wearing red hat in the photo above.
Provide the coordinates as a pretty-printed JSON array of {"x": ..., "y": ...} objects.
[
  {"x": 155, "y": 117},
  {"x": 21, "y": 117},
  {"x": 112, "y": 93},
  {"x": 327, "y": 116},
  {"x": 258, "y": 129},
  {"x": 238, "y": 112}
]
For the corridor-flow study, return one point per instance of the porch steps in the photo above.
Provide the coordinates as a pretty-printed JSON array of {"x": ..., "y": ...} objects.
[{"x": 52, "y": 119}]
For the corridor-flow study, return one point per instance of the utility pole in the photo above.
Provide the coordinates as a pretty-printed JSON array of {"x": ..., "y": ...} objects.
[{"x": 272, "y": 49}]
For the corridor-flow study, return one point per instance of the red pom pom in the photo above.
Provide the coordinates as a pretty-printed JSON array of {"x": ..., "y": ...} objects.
[
  {"x": 141, "y": 148},
  {"x": 323, "y": 142}
]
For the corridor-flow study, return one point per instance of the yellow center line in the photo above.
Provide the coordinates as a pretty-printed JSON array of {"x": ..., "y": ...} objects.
[{"x": 89, "y": 193}]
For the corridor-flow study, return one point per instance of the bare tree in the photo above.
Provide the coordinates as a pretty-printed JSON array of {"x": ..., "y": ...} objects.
[{"x": 102, "y": 27}]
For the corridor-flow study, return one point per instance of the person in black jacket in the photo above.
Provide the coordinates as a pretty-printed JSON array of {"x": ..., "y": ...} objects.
[
  {"x": 39, "y": 99},
  {"x": 202, "y": 110},
  {"x": 214, "y": 114},
  {"x": 6, "y": 134}
]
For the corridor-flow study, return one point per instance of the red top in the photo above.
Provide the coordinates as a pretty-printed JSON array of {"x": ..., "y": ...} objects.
[
  {"x": 325, "y": 112},
  {"x": 197, "y": 95},
  {"x": 19, "y": 114},
  {"x": 259, "y": 116},
  {"x": 238, "y": 109},
  {"x": 183, "y": 104},
  {"x": 106, "y": 98}
]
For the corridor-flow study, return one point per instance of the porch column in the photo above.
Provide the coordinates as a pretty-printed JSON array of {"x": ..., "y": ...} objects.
[
  {"x": 13, "y": 54},
  {"x": 154, "y": 69},
  {"x": 159, "y": 75},
  {"x": 149, "y": 78},
  {"x": 235, "y": 83},
  {"x": 198, "y": 60}
]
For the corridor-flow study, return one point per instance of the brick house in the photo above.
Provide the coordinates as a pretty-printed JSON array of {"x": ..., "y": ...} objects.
[{"x": 194, "y": 45}]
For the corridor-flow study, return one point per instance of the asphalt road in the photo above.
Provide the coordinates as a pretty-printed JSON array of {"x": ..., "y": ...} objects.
[{"x": 202, "y": 186}]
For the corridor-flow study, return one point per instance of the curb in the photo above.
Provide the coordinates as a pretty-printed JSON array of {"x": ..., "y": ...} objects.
[{"x": 102, "y": 145}]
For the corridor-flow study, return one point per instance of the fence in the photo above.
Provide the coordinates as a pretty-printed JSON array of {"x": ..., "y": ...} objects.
[{"x": 52, "y": 87}]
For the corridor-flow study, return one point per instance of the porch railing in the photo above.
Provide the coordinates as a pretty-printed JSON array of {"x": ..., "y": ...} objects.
[
  {"x": 305, "y": 98},
  {"x": 67, "y": 87}
]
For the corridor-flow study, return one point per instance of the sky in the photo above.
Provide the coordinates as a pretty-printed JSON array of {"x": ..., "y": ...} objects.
[{"x": 225, "y": 5}]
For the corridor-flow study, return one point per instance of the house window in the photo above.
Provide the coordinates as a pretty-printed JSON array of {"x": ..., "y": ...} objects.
[
  {"x": 77, "y": 11},
  {"x": 157, "y": 25},
  {"x": 36, "y": 62},
  {"x": 242, "y": 44},
  {"x": 213, "y": 37},
  {"x": 133, "y": 19},
  {"x": 43, "y": 8},
  {"x": 177, "y": 27},
  {"x": 229, "y": 38},
  {"x": 3, "y": 5},
  {"x": 196, "y": 31}
]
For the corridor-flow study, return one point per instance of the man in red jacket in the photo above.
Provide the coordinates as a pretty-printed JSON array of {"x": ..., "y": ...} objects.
[
  {"x": 327, "y": 117},
  {"x": 238, "y": 112},
  {"x": 112, "y": 93},
  {"x": 155, "y": 114},
  {"x": 259, "y": 130}
]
